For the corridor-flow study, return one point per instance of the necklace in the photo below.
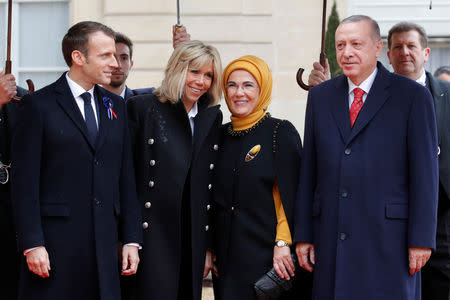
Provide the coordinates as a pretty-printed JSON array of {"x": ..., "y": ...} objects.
[{"x": 243, "y": 132}]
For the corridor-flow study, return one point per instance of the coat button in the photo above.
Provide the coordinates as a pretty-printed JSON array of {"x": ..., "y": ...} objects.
[
  {"x": 342, "y": 236},
  {"x": 206, "y": 227},
  {"x": 439, "y": 150},
  {"x": 208, "y": 207},
  {"x": 216, "y": 147},
  {"x": 151, "y": 183},
  {"x": 348, "y": 151},
  {"x": 145, "y": 225},
  {"x": 232, "y": 208},
  {"x": 211, "y": 166},
  {"x": 209, "y": 186},
  {"x": 148, "y": 205},
  {"x": 344, "y": 194},
  {"x": 151, "y": 141},
  {"x": 152, "y": 162}
]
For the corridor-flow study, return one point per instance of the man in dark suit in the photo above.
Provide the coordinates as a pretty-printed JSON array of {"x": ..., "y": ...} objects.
[
  {"x": 124, "y": 57},
  {"x": 366, "y": 215},
  {"x": 73, "y": 186},
  {"x": 9, "y": 279},
  {"x": 408, "y": 52}
]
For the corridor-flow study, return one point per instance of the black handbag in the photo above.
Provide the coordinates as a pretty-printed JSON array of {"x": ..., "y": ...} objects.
[{"x": 271, "y": 287}]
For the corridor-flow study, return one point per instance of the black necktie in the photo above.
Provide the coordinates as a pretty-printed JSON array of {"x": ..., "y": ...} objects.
[{"x": 89, "y": 116}]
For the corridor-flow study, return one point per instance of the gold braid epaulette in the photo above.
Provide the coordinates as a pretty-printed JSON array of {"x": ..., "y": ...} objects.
[{"x": 232, "y": 132}]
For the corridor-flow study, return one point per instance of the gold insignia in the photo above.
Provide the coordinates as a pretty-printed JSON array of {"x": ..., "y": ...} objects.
[{"x": 252, "y": 153}]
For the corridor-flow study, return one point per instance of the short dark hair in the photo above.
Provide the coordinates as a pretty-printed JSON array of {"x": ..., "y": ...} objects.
[
  {"x": 405, "y": 27},
  {"x": 358, "y": 18},
  {"x": 77, "y": 38},
  {"x": 442, "y": 70},
  {"x": 122, "y": 38}
]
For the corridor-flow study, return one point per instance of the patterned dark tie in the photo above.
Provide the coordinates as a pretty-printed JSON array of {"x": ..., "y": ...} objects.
[
  {"x": 89, "y": 116},
  {"x": 356, "y": 105}
]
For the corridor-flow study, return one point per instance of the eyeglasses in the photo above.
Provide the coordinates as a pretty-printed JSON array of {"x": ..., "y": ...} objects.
[{"x": 246, "y": 86}]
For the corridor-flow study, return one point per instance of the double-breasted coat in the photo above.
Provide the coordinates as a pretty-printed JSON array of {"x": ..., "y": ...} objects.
[
  {"x": 72, "y": 195},
  {"x": 369, "y": 192},
  {"x": 167, "y": 158}
]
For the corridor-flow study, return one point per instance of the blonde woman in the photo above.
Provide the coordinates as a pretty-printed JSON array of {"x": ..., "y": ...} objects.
[{"x": 174, "y": 135}]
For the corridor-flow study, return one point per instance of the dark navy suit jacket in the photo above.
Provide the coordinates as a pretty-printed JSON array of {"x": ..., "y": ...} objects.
[{"x": 130, "y": 93}]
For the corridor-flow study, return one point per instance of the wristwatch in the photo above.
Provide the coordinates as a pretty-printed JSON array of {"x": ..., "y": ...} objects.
[{"x": 281, "y": 243}]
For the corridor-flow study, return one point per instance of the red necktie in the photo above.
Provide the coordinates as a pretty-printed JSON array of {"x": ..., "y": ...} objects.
[{"x": 356, "y": 105}]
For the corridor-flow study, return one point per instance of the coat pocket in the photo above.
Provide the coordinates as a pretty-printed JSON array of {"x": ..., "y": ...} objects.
[
  {"x": 397, "y": 211},
  {"x": 54, "y": 210}
]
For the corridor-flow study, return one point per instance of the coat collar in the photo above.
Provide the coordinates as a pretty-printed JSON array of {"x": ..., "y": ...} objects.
[
  {"x": 67, "y": 102},
  {"x": 375, "y": 99}
]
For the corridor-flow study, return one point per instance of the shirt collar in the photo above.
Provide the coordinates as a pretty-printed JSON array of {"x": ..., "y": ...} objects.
[
  {"x": 77, "y": 89},
  {"x": 123, "y": 92},
  {"x": 422, "y": 79},
  {"x": 366, "y": 85},
  {"x": 194, "y": 111}
]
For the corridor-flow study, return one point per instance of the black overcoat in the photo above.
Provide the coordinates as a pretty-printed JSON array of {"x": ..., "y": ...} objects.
[
  {"x": 71, "y": 195},
  {"x": 166, "y": 156},
  {"x": 245, "y": 221},
  {"x": 8, "y": 280}
]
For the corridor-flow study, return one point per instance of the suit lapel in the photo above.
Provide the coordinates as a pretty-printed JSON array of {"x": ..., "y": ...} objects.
[
  {"x": 441, "y": 106},
  {"x": 67, "y": 102},
  {"x": 104, "y": 121},
  {"x": 375, "y": 99},
  {"x": 339, "y": 105}
]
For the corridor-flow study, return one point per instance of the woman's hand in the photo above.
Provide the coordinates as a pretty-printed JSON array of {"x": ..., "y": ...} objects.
[
  {"x": 282, "y": 262},
  {"x": 210, "y": 260}
]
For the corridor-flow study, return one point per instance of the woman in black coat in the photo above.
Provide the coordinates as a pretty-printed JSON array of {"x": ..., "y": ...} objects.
[
  {"x": 175, "y": 133},
  {"x": 256, "y": 184}
]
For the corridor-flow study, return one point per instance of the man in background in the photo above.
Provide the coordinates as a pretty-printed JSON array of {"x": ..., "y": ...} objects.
[{"x": 443, "y": 73}]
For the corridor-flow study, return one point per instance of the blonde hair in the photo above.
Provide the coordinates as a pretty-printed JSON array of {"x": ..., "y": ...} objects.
[{"x": 194, "y": 55}]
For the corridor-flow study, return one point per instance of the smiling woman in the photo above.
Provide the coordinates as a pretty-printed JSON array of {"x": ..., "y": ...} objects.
[{"x": 175, "y": 133}]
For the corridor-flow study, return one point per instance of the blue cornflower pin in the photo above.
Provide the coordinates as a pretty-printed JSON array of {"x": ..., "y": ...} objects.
[{"x": 109, "y": 107}]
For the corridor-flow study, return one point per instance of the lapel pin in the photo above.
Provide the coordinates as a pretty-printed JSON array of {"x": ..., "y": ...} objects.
[
  {"x": 252, "y": 153},
  {"x": 109, "y": 107}
]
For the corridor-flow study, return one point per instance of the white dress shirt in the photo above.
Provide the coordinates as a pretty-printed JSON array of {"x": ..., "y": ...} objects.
[
  {"x": 366, "y": 85},
  {"x": 191, "y": 115},
  {"x": 77, "y": 90},
  {"x": 422, "y": 79}
]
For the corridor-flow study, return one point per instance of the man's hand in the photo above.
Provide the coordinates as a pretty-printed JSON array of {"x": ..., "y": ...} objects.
[
  {"x": 305, "y": 255},
  {"x": 180, "y": 35},
  {"x": 7, "y": 88},
  {"x": 418, "y": 257},
  {"x": 38, "y": 262},
  {"x": 210, "y": 260},
  {"x": 282, "y": 262},
  {"x": 319, "y": 74},
  {"x": 130, "y": 260}
]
